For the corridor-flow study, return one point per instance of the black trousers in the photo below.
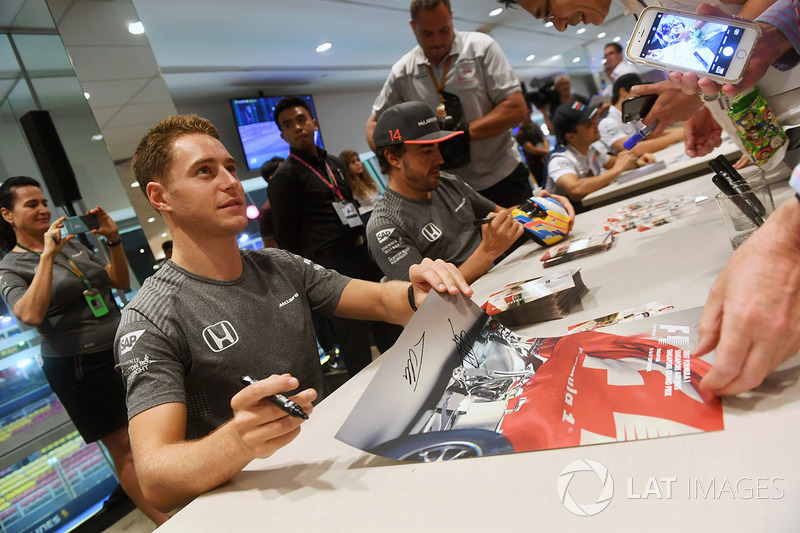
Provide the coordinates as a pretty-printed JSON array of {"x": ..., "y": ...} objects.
[
  {"x": 511, "y": 190},
  {"x": 355, "y": 337}
]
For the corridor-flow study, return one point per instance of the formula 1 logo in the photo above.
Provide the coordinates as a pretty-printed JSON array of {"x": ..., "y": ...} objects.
[
  {"x": 220, "y": 336},
  {"x": 431, "y": 232},
  {"x": 383, "y": 234},
  {"x": 587, "y": 509}
]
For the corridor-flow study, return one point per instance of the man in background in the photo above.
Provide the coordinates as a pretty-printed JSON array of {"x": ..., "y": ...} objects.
[{"x": 451, "y": 70}]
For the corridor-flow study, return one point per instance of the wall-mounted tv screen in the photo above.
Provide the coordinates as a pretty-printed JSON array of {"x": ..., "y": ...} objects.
[{"x": 258, "y": 133}]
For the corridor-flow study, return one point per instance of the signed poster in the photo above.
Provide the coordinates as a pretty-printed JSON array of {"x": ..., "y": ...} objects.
[{"x": 459, "y": 384}]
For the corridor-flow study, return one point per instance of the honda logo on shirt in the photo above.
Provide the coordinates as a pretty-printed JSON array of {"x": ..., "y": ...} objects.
[
  {"x": 431, "y": 232},
  {"x": 220, "y": 336}
]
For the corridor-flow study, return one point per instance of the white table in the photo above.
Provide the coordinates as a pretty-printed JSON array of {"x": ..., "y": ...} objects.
[
  {"x": 679, "y": 167},
  {"x": 320, "y": 484}
]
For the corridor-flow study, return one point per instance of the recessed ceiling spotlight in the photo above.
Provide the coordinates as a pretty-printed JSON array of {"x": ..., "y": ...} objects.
[
  {"x": 97, "y": 137},
  {"x": 548, "y": 25},
  {"x": 576, "y": 59},
  {"x": 581, "y": 30},
  {"x": 616, "y": 39},
  {"x": 135, "y": 184},
  {"x": 164, "y": 234},
  {"x": 530, "y": 57},
  {"x": 601, "y": 35},
  {"x": 136, "y": 28},
  {"x": 555, "y": 57},
  {"x": 151, "y": 219},
  {"x": 495, "y": 12},
  {"x": 324, "y": 47},
  {"x": 87, "y": 95}
]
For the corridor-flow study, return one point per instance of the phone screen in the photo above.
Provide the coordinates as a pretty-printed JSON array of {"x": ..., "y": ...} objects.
[{"x": 692, "y": 44}]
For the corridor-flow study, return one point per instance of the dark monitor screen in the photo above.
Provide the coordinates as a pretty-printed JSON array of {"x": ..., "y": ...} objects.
[{"x": 260, "y": 137}]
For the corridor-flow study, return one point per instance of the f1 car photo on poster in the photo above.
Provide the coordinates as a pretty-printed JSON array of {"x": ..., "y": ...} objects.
[{"x": 459, "y": 384}]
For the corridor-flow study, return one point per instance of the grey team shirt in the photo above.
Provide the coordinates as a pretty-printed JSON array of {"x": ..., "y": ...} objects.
[
  {"x": 188, "y": 339},
  {"x": 481, "y": 76},
  {"x": 403, "y": 230},
  {"x": 69, "y": 327}
]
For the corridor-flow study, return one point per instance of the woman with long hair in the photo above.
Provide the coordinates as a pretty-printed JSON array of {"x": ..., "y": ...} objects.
[
  {"x": 364, "y": 188},
  {"x": 63, "y": 289}
]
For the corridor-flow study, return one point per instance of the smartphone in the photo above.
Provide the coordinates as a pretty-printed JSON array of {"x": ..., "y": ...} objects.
[
  {"x": 637, "y": 107},
  {"x": 79, "y": 224},
  {"x": 713, "y": 47}
]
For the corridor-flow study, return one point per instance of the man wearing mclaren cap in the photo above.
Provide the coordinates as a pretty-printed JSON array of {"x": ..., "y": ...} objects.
[
  {"x": 582, "y": 164},
  {"x": 425, "y": 212}
]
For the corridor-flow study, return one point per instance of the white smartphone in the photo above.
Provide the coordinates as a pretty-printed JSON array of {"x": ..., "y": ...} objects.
[{"x": 716, "y": 48}]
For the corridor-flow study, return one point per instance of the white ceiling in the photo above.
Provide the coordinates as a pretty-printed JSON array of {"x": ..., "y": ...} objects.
[{"x": 218, "y": 50}]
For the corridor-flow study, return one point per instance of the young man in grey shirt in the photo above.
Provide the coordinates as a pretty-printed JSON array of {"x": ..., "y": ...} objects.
[{"x": 213, "y": 314}]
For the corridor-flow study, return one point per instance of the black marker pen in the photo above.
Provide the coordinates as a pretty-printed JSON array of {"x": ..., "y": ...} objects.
[
  {"x": 280, "y": 400},
  {"x": 481, "y": 221}
]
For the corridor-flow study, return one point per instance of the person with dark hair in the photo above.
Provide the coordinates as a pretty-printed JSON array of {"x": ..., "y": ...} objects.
[
  {"x": 615, "y": 65},
  {"x": 166, "y": 247},
  {"x": 63, "y": 289},
  {"x": 316, "y": 216},
  {"x": 428, "y": 213},
  {"x": 465, "y": 76},
  {"x": 535, "y": 147},
  {"x": 614, "y": 132},
  {"x": 266, "y": 227},
  {"x": 364, "y": 188},
  {"x": 215, "y": 313},
  {"x": 584, "y": 164}
]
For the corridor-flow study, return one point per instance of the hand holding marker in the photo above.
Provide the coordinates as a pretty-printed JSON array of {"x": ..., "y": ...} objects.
[{"x": 280, "y": 400}]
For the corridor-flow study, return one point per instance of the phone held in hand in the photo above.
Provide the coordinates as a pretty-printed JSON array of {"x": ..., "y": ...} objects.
[
  {"x": 713, "y": 47},
  {"x": 637, "y": 107},
  {"x": 79, "y": 224}
]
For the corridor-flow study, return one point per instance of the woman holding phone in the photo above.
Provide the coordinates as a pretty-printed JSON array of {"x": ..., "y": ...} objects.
[{"x": 63, "y": 289}]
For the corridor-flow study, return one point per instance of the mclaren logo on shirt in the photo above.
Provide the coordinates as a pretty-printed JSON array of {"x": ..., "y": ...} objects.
[
  {"x": 431, "y": 232},
  {"x": 220, "y": 336},
  {"x": 383, "y": 234}
]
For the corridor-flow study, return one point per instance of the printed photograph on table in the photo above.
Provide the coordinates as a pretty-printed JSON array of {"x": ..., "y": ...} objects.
[{"x": 458, "y": 384}]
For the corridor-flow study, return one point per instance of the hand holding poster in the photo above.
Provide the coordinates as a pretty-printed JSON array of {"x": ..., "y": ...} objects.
[{"x": 458, "y": 384}]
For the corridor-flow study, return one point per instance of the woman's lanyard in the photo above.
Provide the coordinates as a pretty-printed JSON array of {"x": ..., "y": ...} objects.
[
  {"x": 330, "y": 182},
  {"x": 440, "y": 109},
  {"x": 93, "y": 297}
]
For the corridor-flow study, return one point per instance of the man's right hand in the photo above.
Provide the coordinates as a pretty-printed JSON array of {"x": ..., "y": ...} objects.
[
  {"x": 701, "y": 133},
  {"x": 499, "y": 234},
  {"x": 262, "y": 427},
  {"x": 625, "y": 161}
]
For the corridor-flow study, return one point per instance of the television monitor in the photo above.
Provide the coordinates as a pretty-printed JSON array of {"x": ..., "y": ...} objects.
[{"x": 259, "y": 135}]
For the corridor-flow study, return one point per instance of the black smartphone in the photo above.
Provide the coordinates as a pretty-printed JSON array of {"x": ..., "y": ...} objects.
[
  {"x": 637, "y": 107},
  {"x": 80, "y": 224}
]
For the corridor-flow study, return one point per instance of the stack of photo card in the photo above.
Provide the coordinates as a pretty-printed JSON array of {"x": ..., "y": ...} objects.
[
  {"x": 652, "y": 212},
  {"x": 578, "y": 248},
  {"x": 536, "y": 300}
]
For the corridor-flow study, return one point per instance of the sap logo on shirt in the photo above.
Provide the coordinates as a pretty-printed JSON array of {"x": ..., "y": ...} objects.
[
  {"x": 383, "y": 234},
  {"x": 220, "y": 336},
  {"x": 126, "y": 342},
  {"x": 431, "y": 232}
]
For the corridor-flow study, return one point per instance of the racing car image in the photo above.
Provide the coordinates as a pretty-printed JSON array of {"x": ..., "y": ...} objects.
[{"x": 585, "y": 388}]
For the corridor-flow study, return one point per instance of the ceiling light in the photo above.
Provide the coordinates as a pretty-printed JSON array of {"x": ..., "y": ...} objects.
[
  {"x": 555, "y": 57},
  {"x": 136, "y": 28},
  {"x": 97, "y": 137},
  {"x": 576, "y": 59},
  {"x": 530, "y": 57},
  {"x": 87, "y": 95},
  {"x": 135, "y": 184},
  {"x": 141, "y": 250},
  {"x": 580, "y": 31},
  {"x": 151, "y": 219},
  {"x": 495, "y": 12},
  {"x": 164, "y": 234},
  {"x": 616, "y": 39},
  {"x": 324, "y": 47},
  {"x": 548, "y": 25},
  {"x": 601, "y": 35}
]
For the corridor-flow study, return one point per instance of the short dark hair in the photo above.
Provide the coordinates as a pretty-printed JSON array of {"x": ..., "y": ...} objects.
[
  {"x": 508, "y": 3},
  {"x": 269, "y": 168},
  {"x": 8, "y": 239},
  {"x": 429, "y": 5},
  {"x": 288, "y": 103},
  {"x": 615, "y": 46},
  {"x": 153, "y": 156},
  {"x": 166, "y": 245},
  {"x": 381, "y": 151},
  {"x": 625, "y": 81}
]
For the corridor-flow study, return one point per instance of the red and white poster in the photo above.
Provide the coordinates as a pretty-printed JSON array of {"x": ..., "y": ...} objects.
[{"x": 459, "y": 384}]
